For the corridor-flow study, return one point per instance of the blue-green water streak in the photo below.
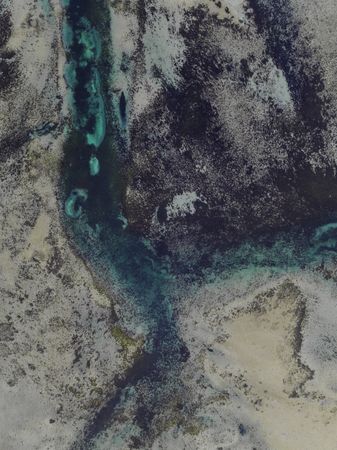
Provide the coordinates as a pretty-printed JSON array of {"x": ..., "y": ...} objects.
[{"x": 94, "y": 218}]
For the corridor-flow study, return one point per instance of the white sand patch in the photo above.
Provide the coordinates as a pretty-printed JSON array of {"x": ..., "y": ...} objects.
[
  {"x": 36, "y": 242},
  {"x": 319, "y": 347},
  {"x": 8, "y": 271},
  {"x": 182, "y": 205},
  {"x": 24, "y": 409},
  {"x": 271, "y": 83},
  {"x": 28, "y": 27},
  {"x": 164, "y": 46}
]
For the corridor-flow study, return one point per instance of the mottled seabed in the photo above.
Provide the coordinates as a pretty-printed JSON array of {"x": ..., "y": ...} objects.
[{"x": 168, "y": 225}]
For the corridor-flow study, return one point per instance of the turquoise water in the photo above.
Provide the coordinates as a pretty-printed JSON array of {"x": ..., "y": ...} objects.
[{"x": 94, "y": 166}]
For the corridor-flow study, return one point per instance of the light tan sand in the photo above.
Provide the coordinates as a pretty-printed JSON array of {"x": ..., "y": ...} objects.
[{"x": 261, "y": 348}]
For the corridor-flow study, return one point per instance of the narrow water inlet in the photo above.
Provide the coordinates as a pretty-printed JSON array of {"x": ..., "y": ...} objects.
[{"x": 93, "y": 202}]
